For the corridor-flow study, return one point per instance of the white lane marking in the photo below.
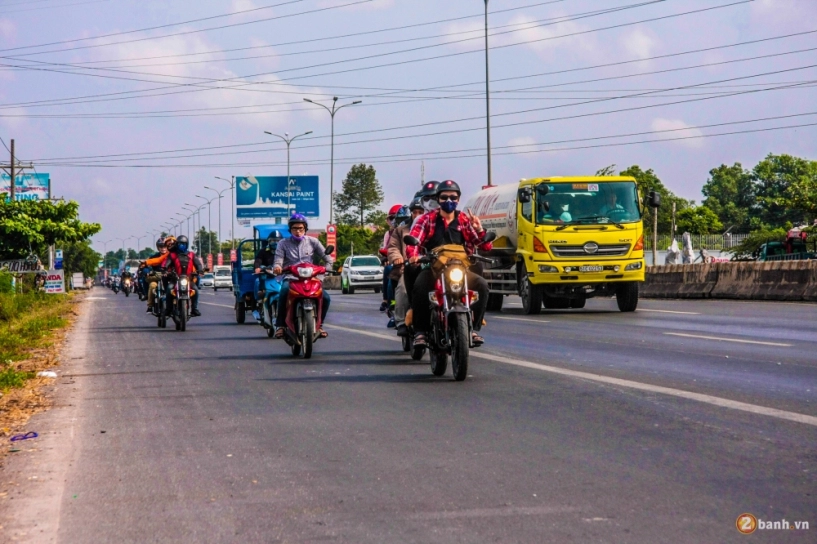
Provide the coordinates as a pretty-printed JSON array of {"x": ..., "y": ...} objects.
[
  {"x": 214, "y": 304},
  {"x": 707, "y": 399},
  {"x": 517, "y": 319},
  {"x": 728, "y": 339},
  {"x": 668, "y": 311}
]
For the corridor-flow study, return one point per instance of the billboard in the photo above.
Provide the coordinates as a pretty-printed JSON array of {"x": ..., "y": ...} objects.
[
  {"x": 26, "y": 186},
  {"x": 264, "y": 197}
]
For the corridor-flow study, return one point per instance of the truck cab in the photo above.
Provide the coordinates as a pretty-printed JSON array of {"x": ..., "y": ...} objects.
[{"x": 570, "y": 239}]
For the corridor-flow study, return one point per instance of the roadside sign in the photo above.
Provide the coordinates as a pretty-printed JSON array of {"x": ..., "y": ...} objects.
[
  {"x": 21, "y": 266},
  {"x": 233, "y": 256},
  {"x": 58, "y": 259},
  {"x": 220, "y": 259},
  {"x": 332, "y": 238},
  {"x": 100, "y": 264},
  {"x": 263, "y": 197},
  {"x": 55, "y": 282},
  {"x": 210, "y": 261}
]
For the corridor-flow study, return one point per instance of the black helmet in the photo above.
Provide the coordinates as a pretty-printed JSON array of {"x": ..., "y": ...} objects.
[
  {"x": 274, "y": 237},
  {"x": 416, "y": 203},
  {"x": 448, "y": 185},
  {"x": 403, "y": 216},
  {"x": 182, "y": 243},
  {"x": 429, "y": 189},
  {"x": 160, "y": 243}
]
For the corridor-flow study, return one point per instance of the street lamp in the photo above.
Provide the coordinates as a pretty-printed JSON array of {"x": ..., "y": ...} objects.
[
  {"x": 487, "y": 97},
  {"x": 181, "y": 229},
  {"x": 209, "y": 239},
  {"x": 288, "y": 141},
  {"x": 232, "y": 205},
  {"x": 124, "y": 253},
  {"x": 332, "y": 111},
  {"x": 219, "y": 213}
]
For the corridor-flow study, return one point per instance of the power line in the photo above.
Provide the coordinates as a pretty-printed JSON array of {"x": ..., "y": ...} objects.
[{"x": 6, "y": 12}]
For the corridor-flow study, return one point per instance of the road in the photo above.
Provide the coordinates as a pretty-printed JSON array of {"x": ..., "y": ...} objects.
[{"x": 574, "y": 426}]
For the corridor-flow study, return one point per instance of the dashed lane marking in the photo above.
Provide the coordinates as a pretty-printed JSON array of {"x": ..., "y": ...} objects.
[
  {"x": 214, "y": 304},
  {"x": 702, "y": 337},
  {"x": 689, "y": 395},
  {"x": 668, "y": 311},
  {"x": 517, "y": 319}
]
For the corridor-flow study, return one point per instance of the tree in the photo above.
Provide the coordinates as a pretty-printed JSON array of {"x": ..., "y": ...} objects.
[
  {"x": 786, "y": 190},
  {"x": 648, "y": 181},
  {"x": 360, "y": 196},
  {"x": 698, "y": 220},
  {"x": 32, "y": 225},
  {"x": 80, "y": 257},
  {"x": 366, "y": 241},
  {"x": 731, "y": 193},
  {"x": 204, "y": 244},
  {"x": 751, "y": 244}
]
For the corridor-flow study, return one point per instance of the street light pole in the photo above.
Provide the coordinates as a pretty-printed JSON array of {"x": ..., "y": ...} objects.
[
  {"x": 487, "y": 98},
  {"x": 288, "y": 141},
  {"x": 209, "y": 239},
  {"x": 332, "y": 111},
  {"x": 220, "y": 240},
  {"x": 231, "y": 181}
]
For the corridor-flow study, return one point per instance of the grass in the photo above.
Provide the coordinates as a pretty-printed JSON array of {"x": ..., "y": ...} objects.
[{"x": 26, "y": 323}]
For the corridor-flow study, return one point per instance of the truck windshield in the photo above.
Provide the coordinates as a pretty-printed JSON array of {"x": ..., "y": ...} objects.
[
  {"x": 222, "y": 272},
  {"x": 588, "y": 203}
]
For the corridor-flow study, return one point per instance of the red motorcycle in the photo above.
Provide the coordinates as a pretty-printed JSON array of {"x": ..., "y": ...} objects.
[{"x": 304, "y": 305}]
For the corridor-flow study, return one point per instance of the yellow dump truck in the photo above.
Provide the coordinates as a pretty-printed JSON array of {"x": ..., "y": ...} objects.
[{"x": 562, "y": 240}]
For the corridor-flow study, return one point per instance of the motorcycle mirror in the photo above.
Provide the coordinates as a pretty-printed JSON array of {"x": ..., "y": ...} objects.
[
  {"x": 329, "y": 249},
  {"x": 654, "y": 200},
  {"x": 490, "y": 236},
  {"x": 410, "y": 240}
]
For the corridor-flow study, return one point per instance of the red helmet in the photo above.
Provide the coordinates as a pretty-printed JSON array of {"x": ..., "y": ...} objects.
[{"x": 394, "y": 209}]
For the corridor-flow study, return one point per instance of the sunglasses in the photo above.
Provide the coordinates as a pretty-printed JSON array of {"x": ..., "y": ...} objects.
[
  {"x": 444, "y": 198},
  {"x": 297, "y": 228}
]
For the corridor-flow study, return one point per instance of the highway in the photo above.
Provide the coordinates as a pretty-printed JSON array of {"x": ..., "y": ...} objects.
[{"x": 573, "y": 426}]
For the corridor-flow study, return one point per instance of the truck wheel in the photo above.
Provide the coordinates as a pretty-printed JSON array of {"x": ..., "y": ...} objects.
[
  {"x": 627, "y": 296},
  {"x": 578, "y": 303},
  {"x": 531, "y": 297},
  {"x": 495, "y": 301},
  {"x": 240, "y": 312}
]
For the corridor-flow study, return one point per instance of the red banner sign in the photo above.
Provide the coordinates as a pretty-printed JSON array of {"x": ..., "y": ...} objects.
[
  {"x": 220, "y": 259},
  {"x": 210, "y": 261},
  {"x": 233, "y": 256},
  {"x": 332, "y": 238}
]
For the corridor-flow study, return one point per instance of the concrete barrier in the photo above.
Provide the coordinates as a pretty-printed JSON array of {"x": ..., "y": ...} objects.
[
  {"x": 331, "y": 283},
  {"x": 778, "y": 280}
]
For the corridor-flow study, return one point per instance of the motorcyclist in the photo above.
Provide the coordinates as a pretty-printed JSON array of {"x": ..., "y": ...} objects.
[
  {"x": 265, "y": 257},
  {"x": 388, "y": 295},
  {"x": 437, "y": 228},
  {"x": 298, "y": 248},
  {"x": 156, "y": 262},
  {"x": 397, "y": 258},
  {"x": 428, "y": 195},
  {"x": 180, "y": 261}
]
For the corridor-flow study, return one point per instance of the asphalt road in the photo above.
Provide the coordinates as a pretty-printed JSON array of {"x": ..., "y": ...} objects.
[{"x": 573, "y": 426}]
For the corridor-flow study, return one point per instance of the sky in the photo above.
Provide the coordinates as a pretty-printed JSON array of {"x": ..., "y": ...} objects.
[{"x": 134, "y": 107}]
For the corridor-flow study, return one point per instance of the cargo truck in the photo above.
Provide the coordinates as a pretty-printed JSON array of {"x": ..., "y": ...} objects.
[{"x": 562, "y": 240}]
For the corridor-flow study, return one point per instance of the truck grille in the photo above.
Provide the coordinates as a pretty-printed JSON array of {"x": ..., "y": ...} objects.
[{"x": 609, "y": 250}]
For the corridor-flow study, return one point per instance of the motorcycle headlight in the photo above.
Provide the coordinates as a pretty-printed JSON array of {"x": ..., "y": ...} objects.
[
  {"x": 455, "y": 275},
  {"x": 183, "y": 282},
  {"x": 305, "y": 272}
]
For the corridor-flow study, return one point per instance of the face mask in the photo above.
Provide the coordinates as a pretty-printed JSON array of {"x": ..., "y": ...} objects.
[
  {"x": 298, "y": 238},
  {"x": 449, "y": 206},
  {"x": 430, "y": 205}
]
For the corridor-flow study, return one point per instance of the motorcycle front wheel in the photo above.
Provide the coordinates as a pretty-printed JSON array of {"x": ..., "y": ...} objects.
[
  {"x": 183, "y": 309},
  {"x": 308, "y": 332},
  {"x": 460, "y": 346}
]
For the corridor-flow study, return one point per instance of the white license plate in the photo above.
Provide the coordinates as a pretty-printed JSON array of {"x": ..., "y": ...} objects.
[
  {"x": 368, "y": 277},
  {"x": 591, "y": 268}
]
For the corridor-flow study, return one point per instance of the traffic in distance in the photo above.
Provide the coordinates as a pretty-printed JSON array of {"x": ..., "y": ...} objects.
[{"x": 555, "y": 242}]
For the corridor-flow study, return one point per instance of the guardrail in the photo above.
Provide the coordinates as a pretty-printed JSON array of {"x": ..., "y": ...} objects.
[{"x": 778, "y": 280}]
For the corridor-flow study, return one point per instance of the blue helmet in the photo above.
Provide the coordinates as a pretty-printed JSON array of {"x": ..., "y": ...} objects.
[{"x": 298, "y": 218}]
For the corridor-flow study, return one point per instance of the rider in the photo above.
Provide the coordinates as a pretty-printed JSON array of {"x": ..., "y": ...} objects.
[
  {"x": 265, "y": 257},
  {"x": 157, "y": 263},
  {"x": 384, "y": 249},
  {"x": 437, "y": 228},
  {"x": 397, "y": 258},
  {"x": 296, "y": 249},
  {"x": 183, "y": 262}
]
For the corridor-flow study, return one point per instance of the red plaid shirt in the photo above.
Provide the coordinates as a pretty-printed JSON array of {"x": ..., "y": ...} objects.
[{"x": 423, "y": 230}]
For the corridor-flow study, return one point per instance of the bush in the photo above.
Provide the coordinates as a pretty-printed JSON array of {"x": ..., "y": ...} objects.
[
  {"x": 747, "y": 249},
  {"x": 6, "y": 282}
]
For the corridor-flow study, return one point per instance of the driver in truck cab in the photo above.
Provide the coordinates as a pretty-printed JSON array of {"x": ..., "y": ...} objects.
[{"x": 442, "y": 226}]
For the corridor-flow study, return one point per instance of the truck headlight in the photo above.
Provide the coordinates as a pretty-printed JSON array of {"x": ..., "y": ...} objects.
[
  {"x": 634, "y": 266},
  {"x": 547, "y": 269},
  {"x": 455, "y": 275}
]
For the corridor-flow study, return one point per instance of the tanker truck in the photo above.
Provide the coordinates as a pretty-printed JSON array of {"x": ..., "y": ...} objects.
[{"x": 562, "y": 240}]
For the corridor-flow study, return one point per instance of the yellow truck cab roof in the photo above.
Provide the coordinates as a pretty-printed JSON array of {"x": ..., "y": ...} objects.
[{"x": 574, "y": 179}]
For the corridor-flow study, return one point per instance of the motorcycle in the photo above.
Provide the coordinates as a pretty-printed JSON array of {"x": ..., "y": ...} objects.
[
  {"x": 451, "y": 300},
  {"x": 127, "y": 286},
  {"x": 115, "y": 287},
  {"x": 304, "y": 305},
  {"x": 267, "y": 297},
  {"x": 160, "y": 304},
  {"x": 181, "y": 292}
]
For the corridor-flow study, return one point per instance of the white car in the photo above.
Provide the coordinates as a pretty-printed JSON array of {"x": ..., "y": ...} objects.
[
  {"x": 207, "y": 280},
  {"x": 223, "y": 278},
  {"x": 361, "y": 271}
]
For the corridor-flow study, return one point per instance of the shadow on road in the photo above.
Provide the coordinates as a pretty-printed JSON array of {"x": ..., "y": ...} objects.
[{"x": 385, "y": 378}]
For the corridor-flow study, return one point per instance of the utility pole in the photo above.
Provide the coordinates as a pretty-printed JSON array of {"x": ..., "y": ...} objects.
[
  {"x": 288, "y": 141},
  {"x": 654, "y": 236},
  {"x": 673, "y": 221},
  {"x": 332, "y": 111},
  {"x": 422, "y": 173},
  {"x": 13, "y": 173},
  {"x": 231, "y": 181},
  {"x": 487, "y": 97},
  {"x": 12, "y": 169}
]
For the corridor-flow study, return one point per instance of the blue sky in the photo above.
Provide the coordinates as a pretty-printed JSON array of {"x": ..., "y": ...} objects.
[{"x": 570, "y": 80}]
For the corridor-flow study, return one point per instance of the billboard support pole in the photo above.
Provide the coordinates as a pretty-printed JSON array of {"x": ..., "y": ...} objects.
[{"x": 288, "y": 141}]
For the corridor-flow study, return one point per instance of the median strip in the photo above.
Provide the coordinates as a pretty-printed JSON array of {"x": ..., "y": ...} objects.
[
  {"x": 680, "y": 393},
  {"x": 702, "y": 337}
]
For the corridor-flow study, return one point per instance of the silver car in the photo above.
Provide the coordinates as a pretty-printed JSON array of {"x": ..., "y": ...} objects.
[{"x": 361, "y": 271}]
